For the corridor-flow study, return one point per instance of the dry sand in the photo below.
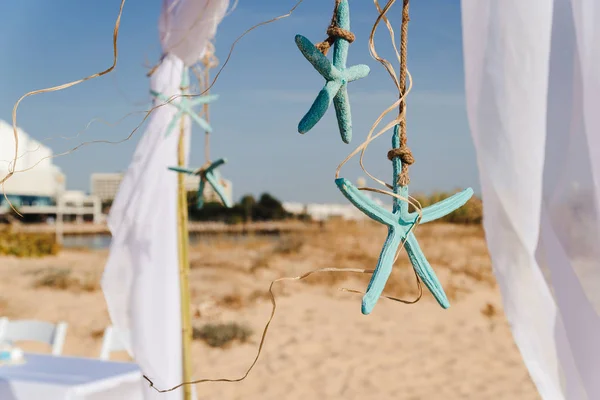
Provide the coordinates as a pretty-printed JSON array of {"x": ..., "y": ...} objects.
[{"x": 319, "y": 345}]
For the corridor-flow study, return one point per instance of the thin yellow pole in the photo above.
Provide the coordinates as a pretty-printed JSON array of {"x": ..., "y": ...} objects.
[{"x": 184, "y": 266}]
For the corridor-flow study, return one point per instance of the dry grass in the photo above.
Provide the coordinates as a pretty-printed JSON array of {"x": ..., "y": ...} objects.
[
  {"x": 457, "y": 253},
  {"x": 65, "y": 279},
  {"x": 222, "y": 335}
]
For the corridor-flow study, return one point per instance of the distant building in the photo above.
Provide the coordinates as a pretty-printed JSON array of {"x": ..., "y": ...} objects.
[
  {"x": 38, "y": 187},
  {"x": 40, "y": 182},
  {"x": 106, "y": 185},
  {"x": 322, "y": 212}
]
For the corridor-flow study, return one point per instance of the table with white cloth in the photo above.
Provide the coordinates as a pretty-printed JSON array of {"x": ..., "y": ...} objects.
[{"x": 69, "y": 378}]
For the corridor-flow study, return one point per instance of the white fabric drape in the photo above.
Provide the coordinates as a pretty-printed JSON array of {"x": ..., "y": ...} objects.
[
  {"x": 532, "y": 71},
  {"x": 186, "y": 27},
  {"x": 141, "y": 282},
  {"x": 141, "y": 279}
]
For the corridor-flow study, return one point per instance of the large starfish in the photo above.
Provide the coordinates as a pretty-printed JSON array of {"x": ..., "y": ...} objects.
[
  {"x": 337, "y": 76},
  {"x": 400, "y": 223},
  {"x": 186, "y": 106},
  {"x": 211, "y": 175}
]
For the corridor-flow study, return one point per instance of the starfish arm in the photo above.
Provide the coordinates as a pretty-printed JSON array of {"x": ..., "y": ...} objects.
[
  {"x": 424, "y": 270},
  {"x": 382, "y": 270},
  {"x": 319, "y": 107},
  {"x": 446, "y": 206},
  {"x": 219, "y": 189},
  {"x": 216, "y": 164},
  {"x": 344, "y": 116},
  {"x": 162, "y": 97},
  {"x": 200, "y": 199},
  {"x": 317, "y": 59},
  {"x": 356, "y": 72},
  {"x": 203, "y": 99},
  {"x": 173, "y": 122},
  {"x": 184, "y": 170},
  {"x": 365, "y": 204},
  {"x": 341, "y": 46},
  {"x": 200, "y": 121}
]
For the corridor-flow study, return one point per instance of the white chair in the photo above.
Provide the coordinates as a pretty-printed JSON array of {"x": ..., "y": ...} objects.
[
  {"x": 114, "y": 340},
  {"x": 35, "y": 331}
]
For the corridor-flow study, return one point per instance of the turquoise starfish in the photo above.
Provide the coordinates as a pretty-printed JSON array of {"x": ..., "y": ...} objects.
[
  {"x": 337, "y": 76},
  {"x": 400, "y": 223},
  {"x": 210, "y": 175},
  {"x": 185, "y": 105}
]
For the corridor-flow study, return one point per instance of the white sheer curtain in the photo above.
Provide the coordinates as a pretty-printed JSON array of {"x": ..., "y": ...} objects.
[
  {"x": 141, "y": 279},
  {"x": 141, "y": 282},
  {"x": 532, "y": 73}
]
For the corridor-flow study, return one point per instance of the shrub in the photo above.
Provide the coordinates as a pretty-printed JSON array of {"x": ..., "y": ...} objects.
[
  {"x": 27, "y": 244},
  {"x": 221, "y": 335}
]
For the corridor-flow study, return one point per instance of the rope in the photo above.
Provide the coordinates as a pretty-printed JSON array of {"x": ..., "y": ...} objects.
[
  {"x": 403, "y": 151},
  {"x": 273, "y": 308},
  {"x": 334, "y": 32}
]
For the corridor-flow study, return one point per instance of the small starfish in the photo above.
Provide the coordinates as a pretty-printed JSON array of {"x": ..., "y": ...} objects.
[
  {"x": 185, "y": 106},
  {"x": 337, "y": 76},
  {"x": 400, "y": 223},
  {"x": 211, "y": 175}
]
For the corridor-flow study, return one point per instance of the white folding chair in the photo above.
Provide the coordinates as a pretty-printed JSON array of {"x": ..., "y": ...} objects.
[
  {"x": 114, "y": 340},
  {"x": 35, "y": 331}
]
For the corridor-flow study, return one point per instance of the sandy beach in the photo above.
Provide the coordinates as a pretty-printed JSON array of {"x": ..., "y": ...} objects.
[{"x": 319, "y": 344}]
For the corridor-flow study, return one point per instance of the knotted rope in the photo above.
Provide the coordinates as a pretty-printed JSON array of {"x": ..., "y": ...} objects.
[{"x": 334, "y": 32}]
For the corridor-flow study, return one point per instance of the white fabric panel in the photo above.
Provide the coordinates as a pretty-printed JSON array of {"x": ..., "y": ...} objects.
[
  {"x": 533, "y": 92},
  {"x": 141, "y": 281},
  {"x": 186, "y": 27}
]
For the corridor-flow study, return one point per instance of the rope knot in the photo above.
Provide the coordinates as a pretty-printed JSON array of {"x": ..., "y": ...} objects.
[
  {"x": 404, "y": 153},
  {"x": 337, "y": 32},
  {"x": 334, "y": 32}
]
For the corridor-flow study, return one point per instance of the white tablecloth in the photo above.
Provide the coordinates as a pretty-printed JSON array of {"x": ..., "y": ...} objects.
[{"x": 45, "y": 377}]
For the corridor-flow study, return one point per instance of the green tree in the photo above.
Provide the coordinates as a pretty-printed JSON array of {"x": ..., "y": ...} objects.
[{"x": 248, "y": 203}]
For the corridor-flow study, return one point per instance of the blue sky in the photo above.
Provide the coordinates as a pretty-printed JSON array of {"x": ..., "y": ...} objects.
[{"x": 264, "y": 91}]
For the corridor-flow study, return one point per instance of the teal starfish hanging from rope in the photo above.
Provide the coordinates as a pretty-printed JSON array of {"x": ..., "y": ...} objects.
[
  {"x": 186, "y": 105},
  {"x": 336, "y": 74},
  {"x": 400, "y": 224},
  {"x": 211, "y": 175},
  {"x": 209, "y": 172}
]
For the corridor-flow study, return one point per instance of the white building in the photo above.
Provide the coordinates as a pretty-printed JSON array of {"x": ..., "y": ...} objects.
[
  {"x": 36, "y": 180},
  {"x": 37, "y": 186},
  {"x": 321, "y": 212},
  {"x": 105, "y": 186}
]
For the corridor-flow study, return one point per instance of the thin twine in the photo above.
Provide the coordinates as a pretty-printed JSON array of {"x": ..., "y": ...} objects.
[
  {"x": 401, "y": 117},
  {"x": 361, "y": 148},
  {"x": 334, "y": 32},
  {"x": 267, "y": 325},
  {"x": 13, "y": 163}
]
